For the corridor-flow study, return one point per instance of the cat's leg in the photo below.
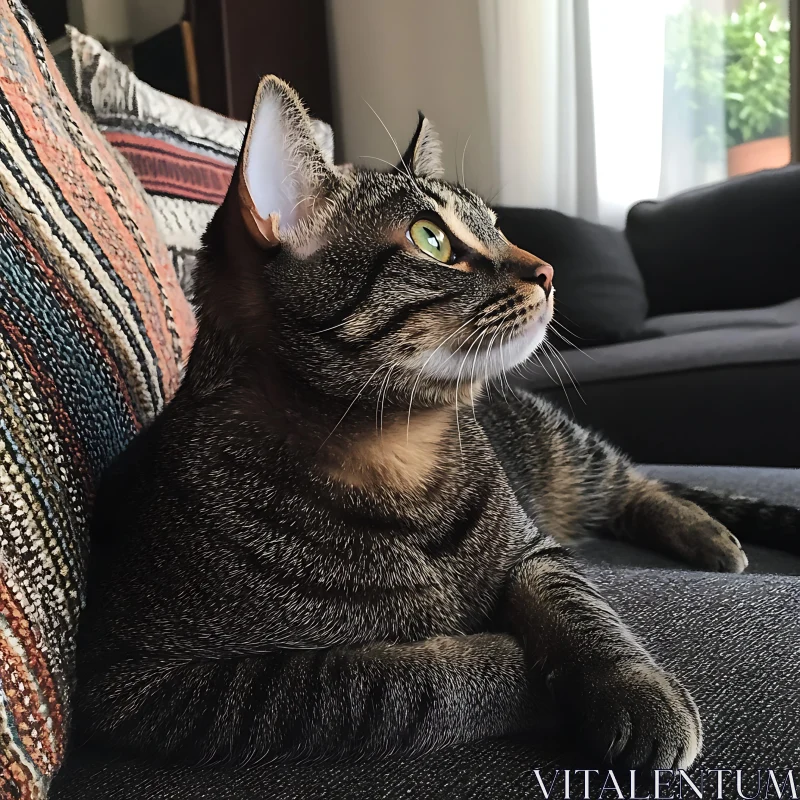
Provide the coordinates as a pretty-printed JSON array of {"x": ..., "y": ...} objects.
[
  {"x": 619, "y": 701},
  {"x": 377, "y": 698},
  {"x": 572, "y": 482}
]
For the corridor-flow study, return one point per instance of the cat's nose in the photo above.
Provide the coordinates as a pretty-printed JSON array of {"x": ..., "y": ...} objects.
[
  {"x": 541, "y": 273},
  {"x": 530, "y": 268}
]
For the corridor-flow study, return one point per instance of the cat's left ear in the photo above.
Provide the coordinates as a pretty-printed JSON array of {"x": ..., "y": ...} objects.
[
  {"x": 284, "y": 172},
  {"x": 424, "y": 153}
]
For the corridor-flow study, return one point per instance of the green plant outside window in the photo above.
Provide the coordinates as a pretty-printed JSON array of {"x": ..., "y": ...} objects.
[{"x": 741, "y": 61}]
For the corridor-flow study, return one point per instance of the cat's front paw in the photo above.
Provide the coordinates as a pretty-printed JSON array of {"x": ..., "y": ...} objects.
[{"x": 632, "y": 715}]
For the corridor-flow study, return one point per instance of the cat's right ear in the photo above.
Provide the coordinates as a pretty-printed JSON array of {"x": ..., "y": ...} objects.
[{"x": 283, "y": 172}]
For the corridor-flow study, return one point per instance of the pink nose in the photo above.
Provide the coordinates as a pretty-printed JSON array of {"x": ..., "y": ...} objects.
[
  {"x": 543, "y": 275},
  {"x": 530, "y": 268}
]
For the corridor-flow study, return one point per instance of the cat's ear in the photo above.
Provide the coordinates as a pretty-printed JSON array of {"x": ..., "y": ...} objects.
[
  {"x": 424, "y": 153},
  {"x": 283, "y": 172}
]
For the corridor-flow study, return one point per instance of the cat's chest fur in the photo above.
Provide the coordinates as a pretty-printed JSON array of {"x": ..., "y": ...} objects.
[
  {"x": 239, "y": 543},
  {"x": 406, "y": 565}
]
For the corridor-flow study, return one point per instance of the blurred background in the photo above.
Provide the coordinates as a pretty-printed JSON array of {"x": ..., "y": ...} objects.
[
  {"x": 584, "y": 106},
  {"x": 677, "y": 322}
]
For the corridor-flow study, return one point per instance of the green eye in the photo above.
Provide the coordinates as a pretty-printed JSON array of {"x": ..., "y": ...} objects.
[{"x": 431, "y": 239}]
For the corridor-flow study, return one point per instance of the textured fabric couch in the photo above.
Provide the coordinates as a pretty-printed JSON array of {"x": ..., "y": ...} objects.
[
  {"x": 93, "y": 330},
  {"x": 734, "y": 639}
]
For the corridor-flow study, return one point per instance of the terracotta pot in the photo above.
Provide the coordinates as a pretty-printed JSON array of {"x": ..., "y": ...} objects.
[{"x": 758, "y": 155}]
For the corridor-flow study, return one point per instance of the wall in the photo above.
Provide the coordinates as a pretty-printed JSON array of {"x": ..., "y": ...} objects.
[
  {"x": 119, "y": 20},
  {"x": 400, "y": 57},
  {"x": 148, "y": 17}
]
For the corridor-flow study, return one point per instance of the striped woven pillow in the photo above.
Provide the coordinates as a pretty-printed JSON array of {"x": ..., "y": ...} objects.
[
  {"x": 183, "y": 155},
  {"x": 93, "y": 332}
]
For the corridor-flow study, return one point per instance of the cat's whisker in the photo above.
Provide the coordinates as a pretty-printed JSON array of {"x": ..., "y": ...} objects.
[
  {"x": 378, "y": 399},
  {"x": 546, "y": 371},
  {"x": 486, "y": 365},
  {"x": 571, "y": 344},
  {"x": 349, "y": 408},
  {"x": 478, "y": 338},
  {"x": 393, "y": 166},
  {"x": 560, "y": 310},
  {"x": 383, "y": 401},
  {"x": 382, "y": 392},
  {"x": 557, "y": 320},
  {"x": 560, "y": 324},
  {"x": 389, "y": 134},
  {"x": 567, "y": 369},
  {"x": 502, "y": 366},
  {"x": 505, "y": 372},
  {"x": 396, "y": 147},
  {"x": 347, "y": 319},
  {"x": 472, "y": 376},
  {"x": 422, "y": 368},
  {"x": 563, "y": 388},
  {"x": 458, "y": 382},
  {"x": 463, "y": 156}
]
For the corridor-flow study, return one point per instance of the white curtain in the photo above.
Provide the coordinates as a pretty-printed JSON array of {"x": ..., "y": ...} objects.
[{"x": 580, "y": 118}]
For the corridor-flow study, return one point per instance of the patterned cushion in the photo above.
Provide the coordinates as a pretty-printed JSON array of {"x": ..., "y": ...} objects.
[
  {"x": 93, "y": 332},
  {"x": 182, "y": 154}
]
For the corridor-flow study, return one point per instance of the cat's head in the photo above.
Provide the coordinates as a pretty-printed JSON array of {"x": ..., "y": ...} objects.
[{"x": 390, "y": 281}]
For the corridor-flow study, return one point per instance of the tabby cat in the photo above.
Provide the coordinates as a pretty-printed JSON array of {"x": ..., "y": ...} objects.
[{"x": 317, "y": 549}]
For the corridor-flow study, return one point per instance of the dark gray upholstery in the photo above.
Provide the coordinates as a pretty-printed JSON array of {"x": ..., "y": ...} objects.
[
  {"x": 734, "y": 639},
  {"x": 596, "y": 273},
  {"x": 732, "y": 244},
  {"x": 705, "y": 387}
]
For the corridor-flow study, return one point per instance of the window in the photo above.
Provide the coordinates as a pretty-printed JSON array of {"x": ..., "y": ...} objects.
[{"x": 726, "y": 90}]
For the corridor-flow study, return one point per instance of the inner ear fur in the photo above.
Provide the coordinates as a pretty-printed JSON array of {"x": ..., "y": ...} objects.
[
  {"x": 423, "y": 155},
  {"x": 283, "y": 170}
]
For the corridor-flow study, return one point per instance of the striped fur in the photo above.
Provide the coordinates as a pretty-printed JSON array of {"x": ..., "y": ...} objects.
[
  {"x": 315, "y": 551},
  {"x": 575, "y": 484},
  {"x": 752, "y": 520},
  {"x": 93, "y": 330}
]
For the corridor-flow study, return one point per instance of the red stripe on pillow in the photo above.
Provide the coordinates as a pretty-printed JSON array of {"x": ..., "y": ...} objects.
[{"x": 165, "y": 168}]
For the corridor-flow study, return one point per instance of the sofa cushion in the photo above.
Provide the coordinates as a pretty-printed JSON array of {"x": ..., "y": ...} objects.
[
  {"x": 93, "y": 331},
  {"x": 733, "y": 244},
  {"x": 719, "y": 389},
  {"x": 600, "y": 294},
  {"x": 782, "y": 316},
  {"x": 183, "y": 155},
  {"x": 733, "y": 639}
]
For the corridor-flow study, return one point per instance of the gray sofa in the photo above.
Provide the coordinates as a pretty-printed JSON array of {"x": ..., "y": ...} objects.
[
  {"x": 701, "y": 387},
  {"x": 688, "y": 321},
  {"x": 734, "y": 639}
]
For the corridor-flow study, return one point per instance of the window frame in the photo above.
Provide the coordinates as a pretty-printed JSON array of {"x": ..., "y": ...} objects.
[{"x": 794, "y": 72}]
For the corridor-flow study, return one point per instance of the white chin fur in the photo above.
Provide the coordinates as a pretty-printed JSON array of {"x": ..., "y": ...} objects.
[{"x": 446, "y": 365}]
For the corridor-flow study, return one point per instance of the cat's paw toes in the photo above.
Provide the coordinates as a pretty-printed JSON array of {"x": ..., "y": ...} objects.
[
  {"x": 717, "y": 549},
  {"x": 633, "y": 716}
]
